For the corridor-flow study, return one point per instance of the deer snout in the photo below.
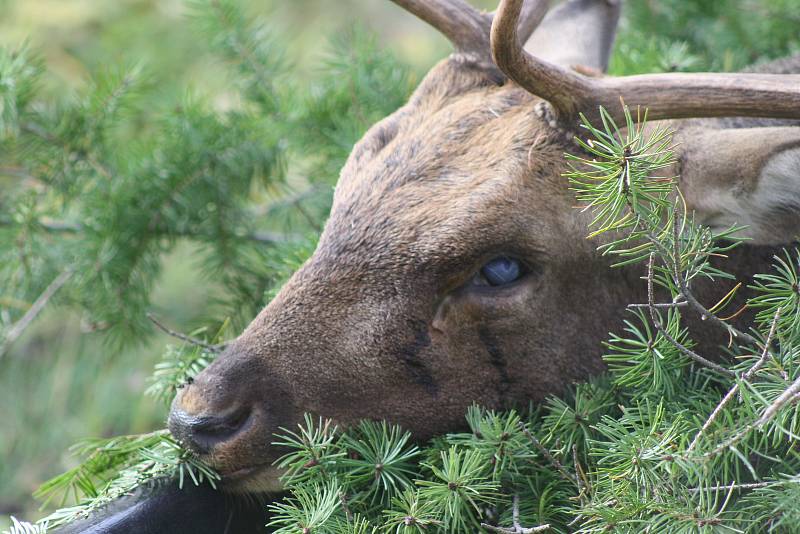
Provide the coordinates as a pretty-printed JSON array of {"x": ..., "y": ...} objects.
[
  {"x": 203, "y": 433},
  {"x": 228, "y": 416}
]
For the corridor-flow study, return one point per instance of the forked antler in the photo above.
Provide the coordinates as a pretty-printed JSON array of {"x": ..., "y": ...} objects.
[
  {"x": 466, "y": 27},
  {"x": 667, "y": 96}
]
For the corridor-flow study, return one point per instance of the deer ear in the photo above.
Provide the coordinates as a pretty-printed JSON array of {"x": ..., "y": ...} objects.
[
  {"x": 577, "y": 33},
  {"x": 747, "y": 176}
]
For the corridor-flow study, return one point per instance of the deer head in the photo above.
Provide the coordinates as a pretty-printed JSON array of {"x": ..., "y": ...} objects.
[{"x": 453, "y": 268}]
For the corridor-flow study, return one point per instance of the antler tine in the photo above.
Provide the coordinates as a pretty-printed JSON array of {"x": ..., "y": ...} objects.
[
  {"x": 462, "y": 24},
  {"x": 667, "y": 96},
  {"x": 466, "y": 27},
  {"x": 562, "y": 88}
]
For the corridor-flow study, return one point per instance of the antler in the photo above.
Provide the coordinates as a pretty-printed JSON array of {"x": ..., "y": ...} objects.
[
  {"x": 466, "y": 27},
  {"x": 667, "y": 96}
]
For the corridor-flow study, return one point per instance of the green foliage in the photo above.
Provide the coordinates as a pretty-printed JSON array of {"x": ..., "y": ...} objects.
[
  {"x": 779, "y": 291},
  {"x": 178, "y": 366},
  {"x": 101, "y": 183},
  {"x": 616, "y": 176},
  {"x": 108, "y": 191},
  {"x": 644, "y": 361},
  {"x": 115, "y": 467},
  {"x": 724, "y": 35}
]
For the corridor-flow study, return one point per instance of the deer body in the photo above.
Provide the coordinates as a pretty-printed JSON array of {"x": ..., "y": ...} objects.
[{"x": 399, "y": 315}]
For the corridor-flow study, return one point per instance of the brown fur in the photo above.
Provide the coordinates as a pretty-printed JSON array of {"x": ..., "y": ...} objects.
[{"x": 382, "y": 322}]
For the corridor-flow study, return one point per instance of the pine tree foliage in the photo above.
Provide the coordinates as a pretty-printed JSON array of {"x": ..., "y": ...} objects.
[
  {"x": 100, "y": 189},
  {"x": 104, "y": 189},
  {"x": 669, "y": 440}
]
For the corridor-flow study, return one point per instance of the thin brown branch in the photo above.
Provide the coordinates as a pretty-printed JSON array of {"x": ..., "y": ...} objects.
[
  {"x": 789, "y": 396},
  {"x": 516, "y": 528},
  {"x": 566, "y": 475},
  {"x": 765, "y": 354},
  {"x": 18, "y": 328},
  {"x": 735, "y": 487},
  {"x": 580, "y": 476},
  {"x": 656, "y": 319},
  {"x": 70, "y": 227},
  {"x": 680, "y": 304},
  {"x": 345, "y": 506},
  {"x": 705, "y": 315},
  {"x": 502, "y": 530},
  {"x": 185, "y": 337}
]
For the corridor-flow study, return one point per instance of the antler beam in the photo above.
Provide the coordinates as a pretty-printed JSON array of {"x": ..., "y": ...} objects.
[{"x": 667, "y": 96}]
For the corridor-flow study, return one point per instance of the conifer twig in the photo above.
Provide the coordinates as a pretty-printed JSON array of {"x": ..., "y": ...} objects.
[
  {"x": 185, "y": 337},
  {"x": 38, "y": 305},
  {"x": 70, "y": 227},
  {"x": 549, "y": 457},
  {"x": 789, "y": 396},
  {"x": 657, "y": 323},
  {"x": 679, "y": 304},
  {"x": 734, "y": 487},
  {"x": 745, "y": 377},
  {"x": 580, "y": 477},
  {"x": 705, "y": 314},
  {"x": 516, "y": 528}
]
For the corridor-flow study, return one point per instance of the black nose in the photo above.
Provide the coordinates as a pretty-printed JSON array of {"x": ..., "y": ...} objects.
[{"x": 201, "y": 433}]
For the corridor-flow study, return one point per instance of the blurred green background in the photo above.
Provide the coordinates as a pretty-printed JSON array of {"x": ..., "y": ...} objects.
[{"x": 63, "y": 382}]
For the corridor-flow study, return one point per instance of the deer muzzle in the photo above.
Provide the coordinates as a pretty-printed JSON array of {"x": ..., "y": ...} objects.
[{"x": 227, "y": 416}]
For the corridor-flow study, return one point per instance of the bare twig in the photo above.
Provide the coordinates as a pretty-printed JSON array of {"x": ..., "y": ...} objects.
[
  {"x": 679, "y": 304},
  {"x": 75, "y": 228},
  {"x": 502, "y": 530},
  {"x": 216, "y": 349},
  {"x": 516, "y": 528},
  {"x": 745, "y": 377},
  {"x": 705, "y": 314},
  {"x": 36, "y": 308},
  {"x": 549, "y": 457},
  {"x": 789, "y": 396},
  {"x": 735, "y": 487},
  {"x": 657, "y": 323},
  {"x": 580, "y": 476},
  {"x": 345, "y": 507}
]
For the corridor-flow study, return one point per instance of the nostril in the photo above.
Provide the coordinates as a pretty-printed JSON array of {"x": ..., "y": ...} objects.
[
  {"x": 203, "y": 433},
  {"x": 220, "y": 427}
]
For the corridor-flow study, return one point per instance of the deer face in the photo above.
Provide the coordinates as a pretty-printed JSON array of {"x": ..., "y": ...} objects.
[
  {"x": 453, "y": 269},
  {"x": 440, "y": 280}
]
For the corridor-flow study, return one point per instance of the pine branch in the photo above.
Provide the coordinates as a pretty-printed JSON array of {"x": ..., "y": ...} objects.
[
  {"x": 216, "y": 349},
  {"x": 566, "y": 475},
  {"x": 18, "y": 328},
  {"x": 790, "y": 395},
  {"x": 705, "y": 315},
  {"x": 765, "y": 355},
  {"x": 258, "y": 236},
  {"x": 733, "y": 487},
  {"x": 516, "y": 528},
  {"x": 663, "y": 331}
]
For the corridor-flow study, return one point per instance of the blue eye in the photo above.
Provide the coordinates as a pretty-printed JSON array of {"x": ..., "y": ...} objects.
[{"x": 501, "y": 271}]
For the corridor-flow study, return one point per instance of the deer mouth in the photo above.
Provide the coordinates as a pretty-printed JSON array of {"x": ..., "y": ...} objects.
[{"x": 258, "y": 478}]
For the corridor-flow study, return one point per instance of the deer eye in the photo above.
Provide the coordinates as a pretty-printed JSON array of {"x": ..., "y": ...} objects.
[{"x": 501, "y": 271}]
